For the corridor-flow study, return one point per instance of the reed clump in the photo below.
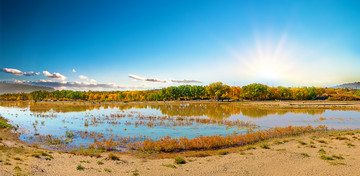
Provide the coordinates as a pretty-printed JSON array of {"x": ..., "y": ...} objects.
[{"x": 168, "y": 144}]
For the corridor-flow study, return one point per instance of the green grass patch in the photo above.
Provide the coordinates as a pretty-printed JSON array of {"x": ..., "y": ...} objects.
[
  {"x": 80, "y": 167},
  {"x": 107, "y": 170},
  {"x": 336, "y": 163},
  {"x": 322, "y": 141},
  {"x": 342, "y": 138},
  {"x": 324, "y": 157},
  {"x": 349, "y": 144},
  {"x": 302, "y": 142},
  {"x": 340, "y": 156},
  {"x": 322, "y": 151},
  {"x": 305, "y": 154},
  {"x": 169, "y": 165},
  {"x": 277, "y": 142},
  {"x": 135, "y": 172},
  {"x": 264, "y": 146},
  {"x": 17, "y": 169}
]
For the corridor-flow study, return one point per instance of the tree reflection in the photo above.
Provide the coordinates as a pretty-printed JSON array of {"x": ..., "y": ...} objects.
[{"x": 216, "y": 111}]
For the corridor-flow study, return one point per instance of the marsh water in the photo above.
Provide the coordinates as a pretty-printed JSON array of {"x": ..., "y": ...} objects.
[{"x": 77, "y": 121}]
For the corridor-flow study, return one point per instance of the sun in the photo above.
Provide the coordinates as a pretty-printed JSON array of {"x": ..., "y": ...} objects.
[
  {"x": 265, "y": 69},
  {"x": 266, "y": 61},
  {"x": 268, "y": 74}
]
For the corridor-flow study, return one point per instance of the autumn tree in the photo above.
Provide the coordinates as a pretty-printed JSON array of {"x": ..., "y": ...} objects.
[
  {"x": 254, "y": 91},
  {"x": 218, "y": 91}
]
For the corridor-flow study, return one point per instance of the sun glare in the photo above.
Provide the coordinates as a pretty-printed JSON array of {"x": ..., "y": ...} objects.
[{"x": 265, "y": 62}]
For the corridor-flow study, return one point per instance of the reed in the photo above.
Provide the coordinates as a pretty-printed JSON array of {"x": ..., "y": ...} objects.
[{"x": 168, "y": 144}]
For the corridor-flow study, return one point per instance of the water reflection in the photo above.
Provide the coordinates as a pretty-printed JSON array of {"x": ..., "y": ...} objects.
[{"x": 216, "y": 111}]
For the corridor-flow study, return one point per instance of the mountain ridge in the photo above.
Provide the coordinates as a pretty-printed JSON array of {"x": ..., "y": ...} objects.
[{"x": 6, "y": 87}]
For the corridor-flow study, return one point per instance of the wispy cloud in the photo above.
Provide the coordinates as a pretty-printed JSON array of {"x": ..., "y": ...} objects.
[
  {"x": 54, "y": 75},
  {"x": 83, "y": 77},
  {"x": 18, "y": 81},
  {"x": 186, "y": 81},
  {"x": 87, "y": 79},
  {"x": 146, "y": 79},
  {"x": 79, "y": 85},
  {"x": 18, "y": 72}
]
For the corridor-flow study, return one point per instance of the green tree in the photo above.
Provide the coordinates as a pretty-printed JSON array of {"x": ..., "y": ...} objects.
[{"x": 218, "y": 91}]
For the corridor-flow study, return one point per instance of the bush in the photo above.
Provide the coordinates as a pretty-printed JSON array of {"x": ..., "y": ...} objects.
[
  {"x": 113, "y": 157},
  {"x": 179, "y": 160}
]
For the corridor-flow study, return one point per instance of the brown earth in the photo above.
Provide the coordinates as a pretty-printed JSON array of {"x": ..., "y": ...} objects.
[{"x": 288, "y": 156}]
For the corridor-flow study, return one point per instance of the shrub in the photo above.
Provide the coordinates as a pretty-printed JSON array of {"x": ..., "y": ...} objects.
[
  {"x": 113, "y": 157},
  {"x": 179, "y": 160}
]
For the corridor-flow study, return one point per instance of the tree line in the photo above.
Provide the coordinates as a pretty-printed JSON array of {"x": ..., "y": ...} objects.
[{"x": 216, "y": 91}]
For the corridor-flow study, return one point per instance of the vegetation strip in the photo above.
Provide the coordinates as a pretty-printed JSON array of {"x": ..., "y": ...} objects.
[
  {"x": 217, "y": 91},
  {"x": 168, "y": 144}
]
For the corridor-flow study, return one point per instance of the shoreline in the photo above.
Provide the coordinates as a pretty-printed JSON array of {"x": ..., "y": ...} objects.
[
  {"x": 288, "y": 104},
  {"x": 292, "y": 155}
]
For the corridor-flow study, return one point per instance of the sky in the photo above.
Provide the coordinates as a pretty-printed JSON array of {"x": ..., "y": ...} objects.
[{"x": 134, "y": 44}]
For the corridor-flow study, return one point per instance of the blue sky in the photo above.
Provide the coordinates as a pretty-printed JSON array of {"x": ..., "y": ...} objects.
[{"x": 290, "y": 43}]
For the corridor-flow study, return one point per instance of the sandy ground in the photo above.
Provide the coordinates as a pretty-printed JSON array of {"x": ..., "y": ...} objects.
[{"x": 287, "y": 158}]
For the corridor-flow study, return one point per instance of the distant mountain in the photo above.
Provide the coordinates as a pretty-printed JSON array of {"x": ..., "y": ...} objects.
[
  {"x": 6, "y": 87},
  {"x": 355, "y": 85}
]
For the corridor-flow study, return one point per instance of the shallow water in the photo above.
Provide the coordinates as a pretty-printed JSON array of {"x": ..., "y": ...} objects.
[{"x": 114, "y": 121}]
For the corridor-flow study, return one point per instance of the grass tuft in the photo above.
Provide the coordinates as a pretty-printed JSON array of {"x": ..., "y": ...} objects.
[
  {"x": 322, "y": 151},
  {"x": 80, "y": 167},
  {"x": 302, "y": 142},
  {"x": 169, "y": 165},
  {"x": 264, "y": 146},
  {"x": 305, "y": 154},
  {"x": 179, "y": 160},
  {"x": 113, "y": 157},
  {"x": 324, "y": 157},
  {"x": 107, "y": 170},
  {"x": 17, "y": 169}
]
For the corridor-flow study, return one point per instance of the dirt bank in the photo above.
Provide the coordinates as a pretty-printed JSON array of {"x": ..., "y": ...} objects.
[{"x": 326, "y": 153}]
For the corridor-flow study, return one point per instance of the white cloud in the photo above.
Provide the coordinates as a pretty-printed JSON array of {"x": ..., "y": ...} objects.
[
  {"x": 92, "y": 80},
  {"x": 83, "y": 77},
  {"x": 87, "y": 79},
  {"x": 18, "y": 81},
  {"x": 18, "y": 72},
  {"x": 146, "y": 79},
  {"x": 74, "y": 70},
  {"x": 54, "y": 75},
  {"x": 81, "y": 85},
  {"x": 186, "y": 81}
]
